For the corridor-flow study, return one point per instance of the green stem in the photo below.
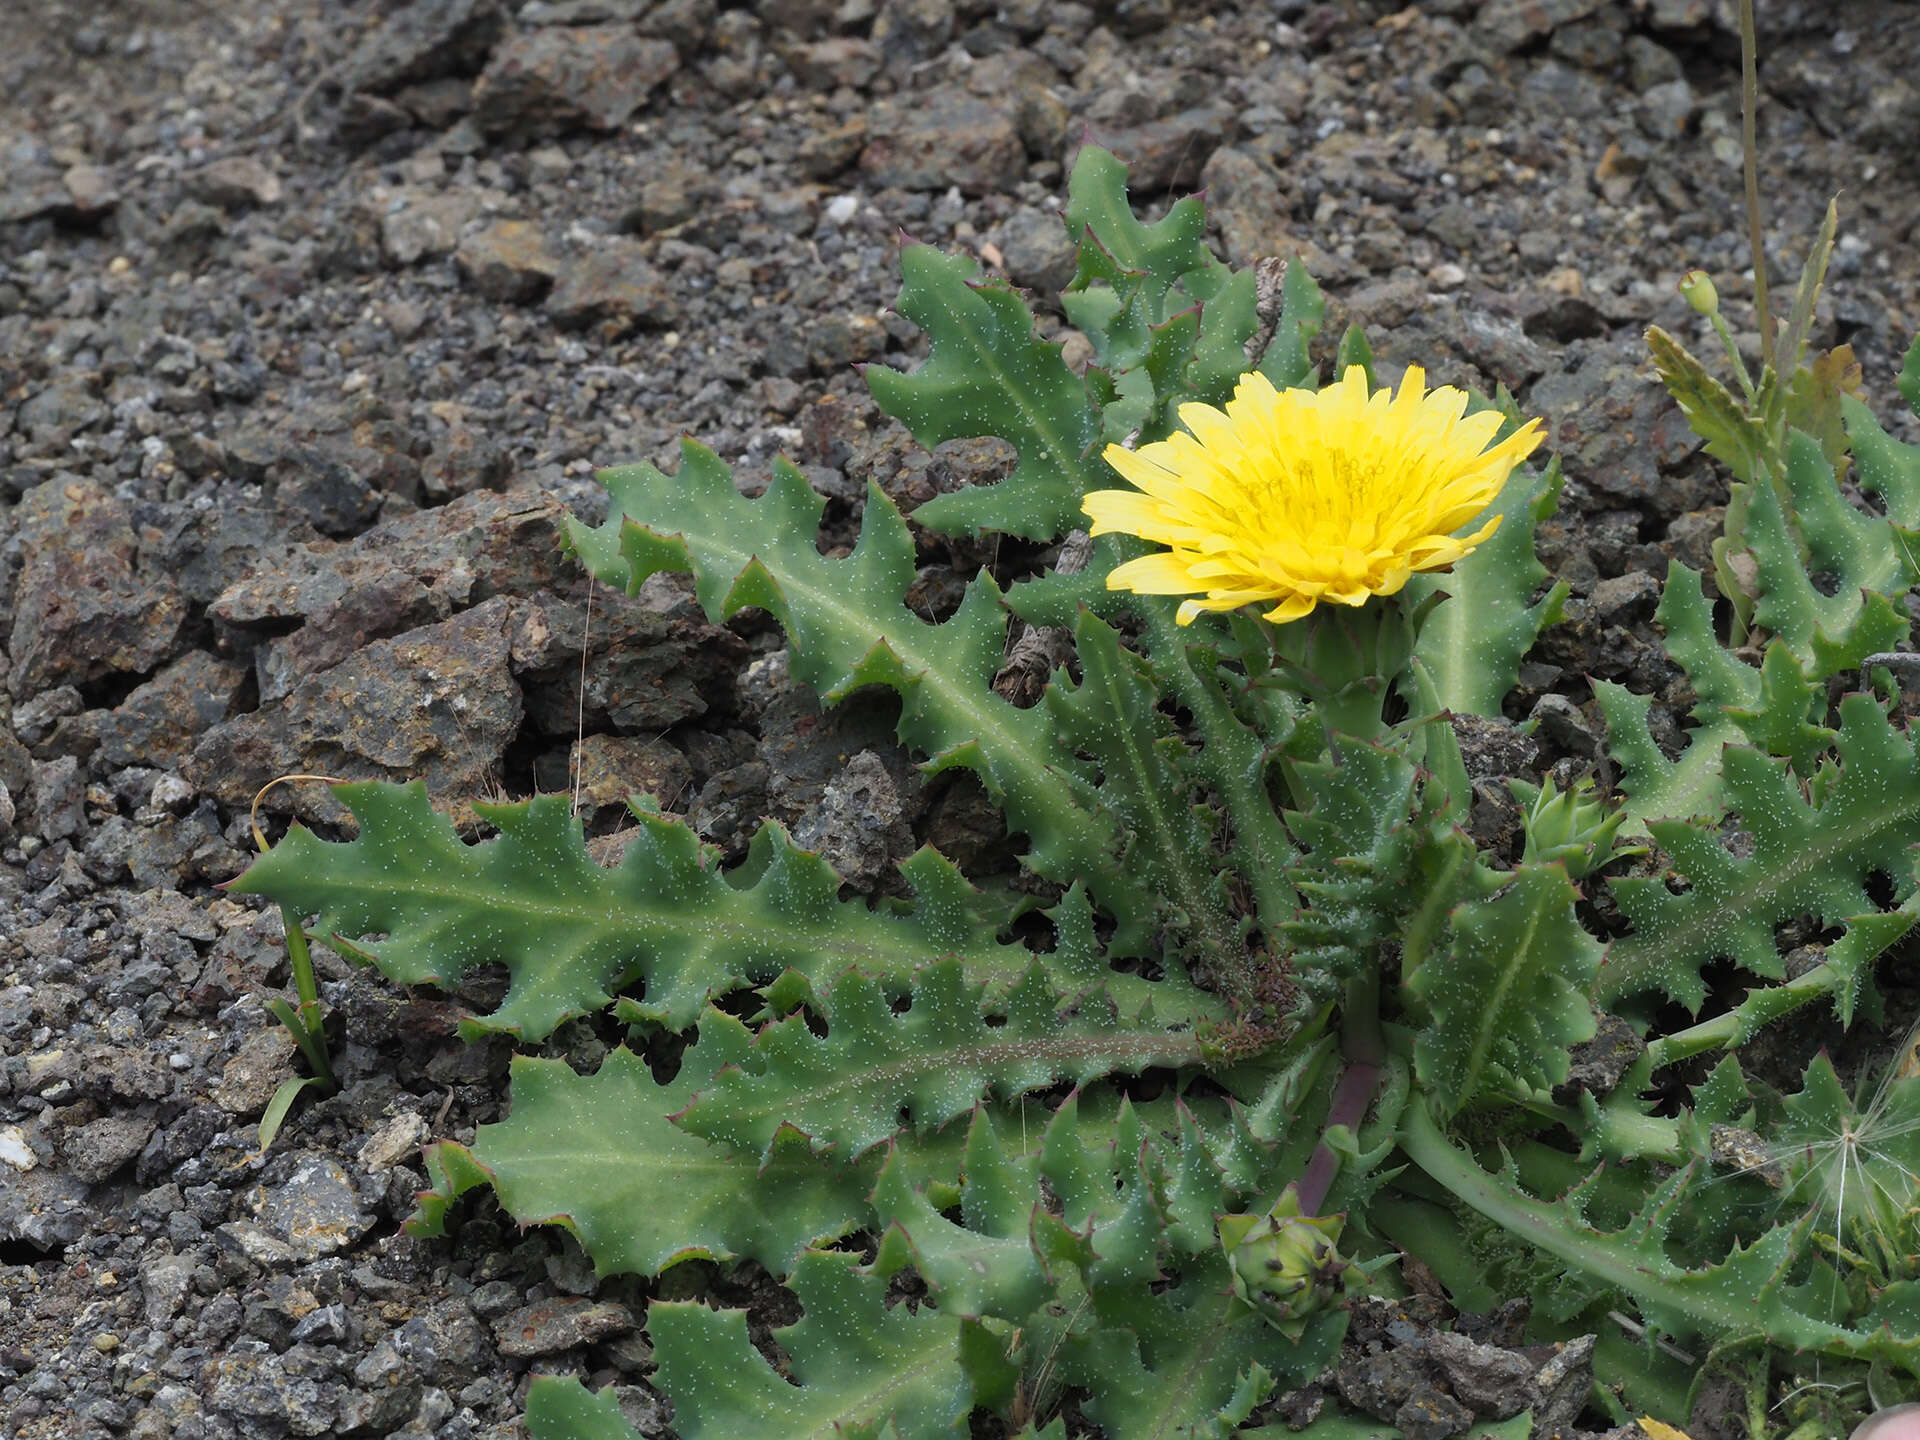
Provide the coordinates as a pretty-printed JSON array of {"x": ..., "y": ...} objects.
[
  {"x": 1719, "y": 324},
  {"x": 1750, "y": 146},
  {"x": 309, "y": 1033}
]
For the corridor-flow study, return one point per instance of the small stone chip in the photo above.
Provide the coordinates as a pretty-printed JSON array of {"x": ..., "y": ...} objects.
[{"x": 559, "y": 1323}]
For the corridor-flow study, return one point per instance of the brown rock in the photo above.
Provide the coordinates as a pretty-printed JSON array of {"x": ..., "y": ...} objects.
[
  {"x": 615, "y": 288},
  {"x": 1170, "y": 153},
  {"x": 560, "y": 78},
  {"x": 158, "y": 723},
  {"x": 412, "y": 570},
  {"x": 437, "y": 704},
  {"x": 561, "y": 1322},
  {"x": 646, "y": 670},
  {"x": 945, "y": 137},
  {"x": 82, "y": 610},
  {"x": 509, "y": 260},
  {"x": 234, "y": 183},
  {"x": 1244, "y": 204},
  {"x": 425, "y": 227},
  {"x": 612, "y": 767}
]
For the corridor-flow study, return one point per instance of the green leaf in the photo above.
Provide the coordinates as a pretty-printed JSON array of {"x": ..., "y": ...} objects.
[
  {"x": 1508, "y": 997},
  {"x": 561, "y": 1408},
  {"x": 1747, "y": 1295},
  {"x": 987, "y": 375},
  {"x": 1127, "y": 269},
  {"x": 1354, "y": 350},
  {"x": 1831, "y": 633},
  {"x": 1112, "y": 717},
  {"x": 855, "y": 1362},
  {"x": 849, "y": 625},
  {"x": 1908, "y": 380},
  {"x": 1889, "y": 468},
  {"x": 1164, "y": 1363},
  {"x": 988, "y": 1264},
  {"x": 570, "y": 931},
  {"x": 850, "y": 1089},
  {"x": 1474, "y": 641},
  {"x": 598, "y": 1155},
  {"x": 1806, "y": 859},
  {"x": 1732, "y": 435}
]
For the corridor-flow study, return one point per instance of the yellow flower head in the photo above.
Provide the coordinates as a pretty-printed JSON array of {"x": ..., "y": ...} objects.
[{"x": 1296, "y": 497}]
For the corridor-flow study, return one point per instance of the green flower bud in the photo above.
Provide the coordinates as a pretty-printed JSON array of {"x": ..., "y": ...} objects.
[
  {"x": 1571, "y": 826},
  {"x": 1697, "y": 288},
  {"x": 1285, "y": 1264}
]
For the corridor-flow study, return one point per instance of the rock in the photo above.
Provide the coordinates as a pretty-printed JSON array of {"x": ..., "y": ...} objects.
[
  {"x": 646, "y": 670},
  {"x": 1509, "y": 25},
  {"x": 100, "y": 1147},
  {"x": 1038, "y": 252},
  {"x": 612, "y": 767},
  {"x": 614, "y": 289},
  {"x": 158, "y": 723},
  {"x": 234, "y": 183},
  {"x": 1245, "y": 205},
  {"x": 1621, "y": 437},
  {"x": 1624, "y": 599},
  {"x": 82, "y": 609},
  {"x": 437, "y": 704},
  {"x": 413, "y": 570},
  {"x": 1169, "y": 153},
  {"x": 859, "y": 824},
  {"x": 828, "y": 64},
  {"x": 910, "y": 31},
  {"x": 165, "y": 1282},
  {"x": 559, "y": 1323},
  {"x": 508, "y": 260},
  {"x": 547, "y": 80},
  {"x": 423, "y": 41},
  {"x": 674, "y": 192},
  {"x": 91, "y": 192},
  {"x": 463, "y": 460},
  {"x": 944, "y": 137},
  {"x": 447, "y": 1345},
  {"x": 421, "y": 224},
  {"x": 315, "y": 1211},
  {"x": 248, "y": 1080},
  {"x": 826, "y": 151},
  {"x": 1562, "y": 722},
  {"x": 56, "y": 800},
  {"x": 1493, "y": 748}
]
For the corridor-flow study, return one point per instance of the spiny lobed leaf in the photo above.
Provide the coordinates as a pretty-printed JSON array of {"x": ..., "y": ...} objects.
[
  {"x": 1363, "y": 843},
  {"x": 1807, "y": 858},
  {"x": 1474, "y": 641},
  {"x": 1830, "y": 633},
  {"x": 987, "y": 375},
  {"x": 599, "y": 1155},
  {"x": 1508, "y": 996},
  {"x": 850, "y": 1089},
  {"x": 1162, "y": 1364},
  {"x": 855, "y": 1363},
  {"x": 848, "y": 625},
  {"x": 1746, "y": 1295},
  {"x": 569, "y": 930},
  {"x": 1112, "y": 716}
]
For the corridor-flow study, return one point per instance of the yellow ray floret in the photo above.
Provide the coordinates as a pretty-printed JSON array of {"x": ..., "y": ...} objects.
[{"x": 1288, "y": 499}]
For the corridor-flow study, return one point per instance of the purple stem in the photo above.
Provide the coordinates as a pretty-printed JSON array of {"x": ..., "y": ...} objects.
[{"x": 1349, "y": 1108}]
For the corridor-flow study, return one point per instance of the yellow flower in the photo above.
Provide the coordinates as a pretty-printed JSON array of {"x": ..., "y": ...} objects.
[{"x": 1291, "y": 498}]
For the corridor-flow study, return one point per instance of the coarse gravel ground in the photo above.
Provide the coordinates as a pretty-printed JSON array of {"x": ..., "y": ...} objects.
[{"x": 315, "y": 319}]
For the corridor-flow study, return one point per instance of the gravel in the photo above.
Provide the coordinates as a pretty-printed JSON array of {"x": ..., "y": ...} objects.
[{"x": 315, "y": 318}]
